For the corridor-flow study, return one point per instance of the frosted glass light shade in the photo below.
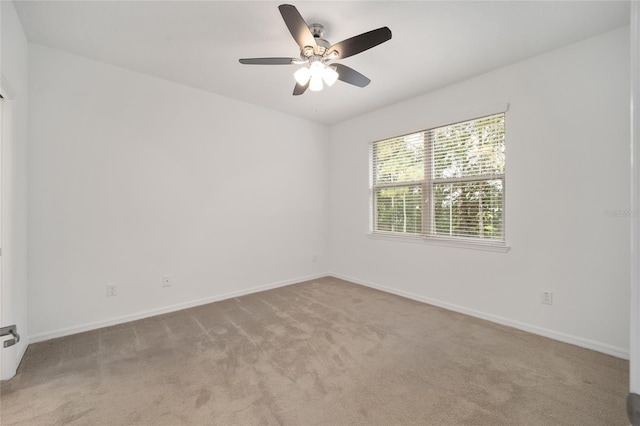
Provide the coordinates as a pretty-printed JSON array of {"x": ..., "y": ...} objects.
[
  {"x": 314, "y": 74},
  {"x": 315, "y": 83},
  {"x": 329, "y": 75},
  {"x": 316, "y": 69},
  {"x": 302, "y": 76}
]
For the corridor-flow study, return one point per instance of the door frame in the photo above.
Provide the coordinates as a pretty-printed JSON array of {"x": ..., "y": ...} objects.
[
  {"x": 9, "y": 357},
  {"x": 634, "y": 349}
]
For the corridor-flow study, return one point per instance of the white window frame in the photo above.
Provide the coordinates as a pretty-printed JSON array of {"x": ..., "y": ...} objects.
[{"x": 426, "y": 237}]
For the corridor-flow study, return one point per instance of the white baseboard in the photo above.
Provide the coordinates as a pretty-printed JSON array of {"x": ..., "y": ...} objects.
[
  {"x": 563, "y": 337},
  {"x": 556, "y": 335},
  {"x": 164, "y": 310}
]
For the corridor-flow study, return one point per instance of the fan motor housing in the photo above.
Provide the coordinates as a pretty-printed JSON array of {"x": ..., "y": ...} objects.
[{"x": 318, "y": 32}]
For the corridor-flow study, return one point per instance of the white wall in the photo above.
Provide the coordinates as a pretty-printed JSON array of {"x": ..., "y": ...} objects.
[
  {"x": 13, "y": 69},
  {"x": 567, "y": 162},
  {"x": 133, "y": 177}
]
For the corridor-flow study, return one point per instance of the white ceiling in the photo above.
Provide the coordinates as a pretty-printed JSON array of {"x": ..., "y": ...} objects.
[{"x": 198, "y": 43}]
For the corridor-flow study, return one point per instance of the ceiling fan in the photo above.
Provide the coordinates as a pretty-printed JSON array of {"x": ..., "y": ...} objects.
[{"x": 317, "y": 54}]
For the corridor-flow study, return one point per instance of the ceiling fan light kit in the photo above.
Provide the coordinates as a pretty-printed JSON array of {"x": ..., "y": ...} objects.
[
  {"x": 317, "y": 54},
  {"x": 315, "y": 74}
]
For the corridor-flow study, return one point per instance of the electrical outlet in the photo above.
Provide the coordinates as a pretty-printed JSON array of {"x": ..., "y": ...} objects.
[
  {"x": 546, "y": 297},
  {"x": 112, "y": 290},
  {"x": 166, "y": 281}
]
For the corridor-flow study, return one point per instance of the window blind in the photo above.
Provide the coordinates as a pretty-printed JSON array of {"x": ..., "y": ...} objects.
[{"x": 446, "y": 182}]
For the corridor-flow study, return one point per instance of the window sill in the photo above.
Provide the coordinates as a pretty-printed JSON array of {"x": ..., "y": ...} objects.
[{"x": 416, "y": 239}]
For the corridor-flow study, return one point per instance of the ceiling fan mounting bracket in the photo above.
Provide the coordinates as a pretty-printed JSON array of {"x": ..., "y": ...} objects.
[{"x": 317, "y": 30}]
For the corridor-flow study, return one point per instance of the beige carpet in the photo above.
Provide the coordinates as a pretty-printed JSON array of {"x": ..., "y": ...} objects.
[{"x": 325, "y": 352}]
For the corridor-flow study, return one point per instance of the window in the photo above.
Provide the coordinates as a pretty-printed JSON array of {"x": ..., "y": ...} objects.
[{"x": 444, "y": 183}]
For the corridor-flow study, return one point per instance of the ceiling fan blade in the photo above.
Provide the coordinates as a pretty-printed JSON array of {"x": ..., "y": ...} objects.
[
  {"x": 297, "y": 26},
  {"x": 267, "y": 61},
  {"x": 300, "y": 89},
  {"x": 360, "y": 43},
  {"x": 351, "y": 76}
]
